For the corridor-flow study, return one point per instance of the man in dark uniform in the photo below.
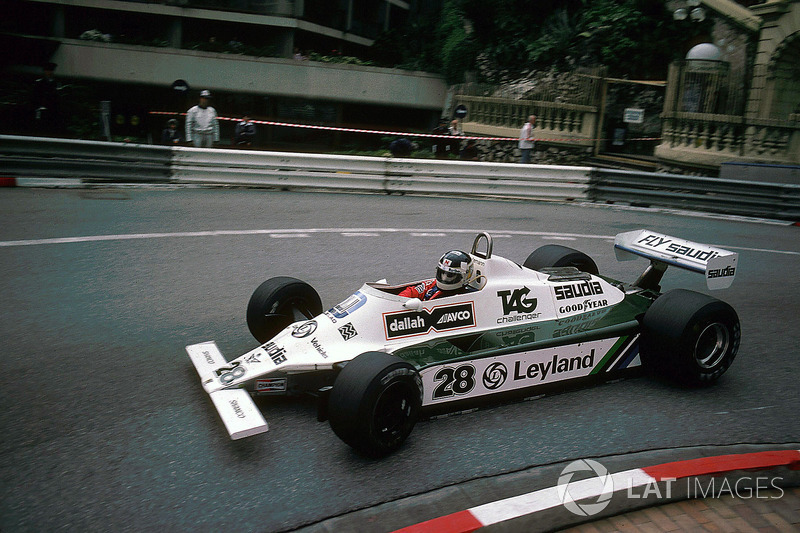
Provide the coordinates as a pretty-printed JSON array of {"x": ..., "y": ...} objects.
[{"x": 45, "y": 101}]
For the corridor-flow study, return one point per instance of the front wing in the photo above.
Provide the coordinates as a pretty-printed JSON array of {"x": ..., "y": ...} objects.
[{"x": 235, "y": 406}]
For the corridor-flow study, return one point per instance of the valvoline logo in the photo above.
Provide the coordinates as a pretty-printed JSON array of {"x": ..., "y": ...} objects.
[{"x": 409, "y": 323}]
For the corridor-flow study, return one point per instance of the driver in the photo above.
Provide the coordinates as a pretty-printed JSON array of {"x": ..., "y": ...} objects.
[{"x": 453, "y": 273}]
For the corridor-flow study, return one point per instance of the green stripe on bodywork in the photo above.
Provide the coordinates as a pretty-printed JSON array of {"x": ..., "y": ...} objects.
[{"x": 612, "y": 353}]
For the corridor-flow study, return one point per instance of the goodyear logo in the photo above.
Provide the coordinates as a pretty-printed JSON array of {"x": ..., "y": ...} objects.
[{"x": 443, "y": 318}]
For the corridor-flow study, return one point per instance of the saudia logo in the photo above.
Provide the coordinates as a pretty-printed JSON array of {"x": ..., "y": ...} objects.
[
  {"x": 721, "y": 272},
  {"x": 406, "y": 324},
  {"x": 275, "y": 352},
  {"x": 576, "y": 290},
  {"x": 657, "y": 241}
]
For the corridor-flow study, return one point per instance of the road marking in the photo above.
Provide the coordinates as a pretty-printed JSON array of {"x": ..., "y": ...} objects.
[
  {"x": 350, "y": 232},
  {"x": 744, "y": 410},
  {"x": 427, "y": 234}
]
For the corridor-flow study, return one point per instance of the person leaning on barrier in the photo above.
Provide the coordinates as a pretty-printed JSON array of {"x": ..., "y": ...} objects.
[
  {"x": 171, "y": 135},
  {"x": 202, "y": 127},
  {"x": 401, "y": 147},
  {"x": 245, "y": 132}
]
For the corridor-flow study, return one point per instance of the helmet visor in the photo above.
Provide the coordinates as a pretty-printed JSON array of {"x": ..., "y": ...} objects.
[{"x": 448, "y": 277}]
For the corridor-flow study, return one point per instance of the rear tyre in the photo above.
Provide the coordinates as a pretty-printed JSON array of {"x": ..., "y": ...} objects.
[
  {"x": 690, "y": 338},
  {"x": 375, "y": 403},
  {"x": 278, "y": 302},
  {"x": 555, "y": 255}
]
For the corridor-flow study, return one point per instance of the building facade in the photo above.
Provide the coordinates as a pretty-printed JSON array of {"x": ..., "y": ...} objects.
[{"x": 284, "y": 61}]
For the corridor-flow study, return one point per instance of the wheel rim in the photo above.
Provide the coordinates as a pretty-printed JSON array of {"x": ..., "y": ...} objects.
[
  {"x": 712, "y": 345},
  {"x": 393, "y": 411}
]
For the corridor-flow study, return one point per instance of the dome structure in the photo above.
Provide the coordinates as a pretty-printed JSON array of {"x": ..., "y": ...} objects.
[{"x": 704, "y": 52}]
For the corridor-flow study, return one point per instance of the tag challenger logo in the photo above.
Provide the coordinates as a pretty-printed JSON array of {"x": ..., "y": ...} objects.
[
  {"x": 516, "y": 301},
  {"x": 410, "y": 323}
]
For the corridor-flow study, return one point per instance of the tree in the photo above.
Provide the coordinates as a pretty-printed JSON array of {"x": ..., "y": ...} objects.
[{"x": 633, "y": 38}]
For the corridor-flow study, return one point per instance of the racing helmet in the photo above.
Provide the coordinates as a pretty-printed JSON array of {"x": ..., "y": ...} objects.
[{"x": 454, "y": 270}]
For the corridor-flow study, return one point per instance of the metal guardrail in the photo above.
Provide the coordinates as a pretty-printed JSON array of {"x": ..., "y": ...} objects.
[
  {"x": 769, "y": 200},
  {"x": 94, "y": 162},
  {"x": 89, "y": 161},
  {"x": 379, "y": 174}
]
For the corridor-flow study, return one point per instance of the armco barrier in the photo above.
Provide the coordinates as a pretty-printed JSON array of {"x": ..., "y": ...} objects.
[
  {"x": 102, "y": 162},
  {"x": 89, "y": 161},
  {"x": 770, "y": 200},
  {"x": 379, "y": 174}
]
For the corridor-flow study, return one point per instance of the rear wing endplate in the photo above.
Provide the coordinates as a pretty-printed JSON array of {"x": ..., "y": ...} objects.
[
  {"x": 717, "y": 265},
  {"x": 235, "y": 406}
]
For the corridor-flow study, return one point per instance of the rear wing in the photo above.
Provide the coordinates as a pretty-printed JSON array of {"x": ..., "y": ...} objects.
[{"x": 717, "y": 265}]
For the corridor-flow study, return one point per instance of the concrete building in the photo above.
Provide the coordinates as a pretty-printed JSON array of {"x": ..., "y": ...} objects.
[{"x": 279, "y": 60}]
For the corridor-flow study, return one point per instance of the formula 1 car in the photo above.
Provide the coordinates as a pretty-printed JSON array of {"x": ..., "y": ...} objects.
[{"x": 377, "y": 360}]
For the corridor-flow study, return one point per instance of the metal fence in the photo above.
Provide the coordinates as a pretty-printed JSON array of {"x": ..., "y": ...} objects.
[
  {"x": 26, "y": 158},
  {"x": 713, "y": 195}
]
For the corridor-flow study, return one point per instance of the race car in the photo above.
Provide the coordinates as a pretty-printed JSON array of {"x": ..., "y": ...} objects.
[{"x": 379, "y": 360}]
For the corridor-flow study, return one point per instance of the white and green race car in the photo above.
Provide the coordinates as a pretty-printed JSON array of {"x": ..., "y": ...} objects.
[{"x": 378, "y": 361}]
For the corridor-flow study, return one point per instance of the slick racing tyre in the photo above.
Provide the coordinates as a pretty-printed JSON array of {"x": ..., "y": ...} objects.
[
  {"x": 375, "y": 402},
  {"x": 690, "y": 338},
  {"x": 278, "y": 302},
  {"x": 554, "y": 255}
]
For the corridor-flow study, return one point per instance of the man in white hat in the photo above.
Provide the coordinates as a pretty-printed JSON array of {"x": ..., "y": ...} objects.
[{"x": 202, "y": 127}]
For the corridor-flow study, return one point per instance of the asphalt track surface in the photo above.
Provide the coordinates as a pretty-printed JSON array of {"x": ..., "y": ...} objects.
[{"x": 104, "y": 424}]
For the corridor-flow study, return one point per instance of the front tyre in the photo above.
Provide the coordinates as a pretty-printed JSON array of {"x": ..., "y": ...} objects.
[
  {"x": 375, "y": 403},
  {"x": 278, "y": 302},
  {"x": 689, "y": 337}
]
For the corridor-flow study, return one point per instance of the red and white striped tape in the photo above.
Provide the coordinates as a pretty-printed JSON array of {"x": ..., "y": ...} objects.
[
  {"x": 540, "y": 500},
  {"x": 401, "y": 133}
]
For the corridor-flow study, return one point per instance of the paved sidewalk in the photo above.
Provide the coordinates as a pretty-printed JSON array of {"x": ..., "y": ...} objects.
[{"x": 773, "y": 512}]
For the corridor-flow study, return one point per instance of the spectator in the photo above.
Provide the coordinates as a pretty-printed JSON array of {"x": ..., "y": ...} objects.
[
  {"x": 244, "y": 132},
  {"x": 526, "y": 140},
  {"x": 171, "y": 135},
  {"x": 202, "y": 127},
  {"x": 441, "y": 146},
  {"x": 401, "y": 147},
  {"x": 45, "y": 101},
  {"x": 455, "y": 145},
  {"x": 470, "y": 151}
]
